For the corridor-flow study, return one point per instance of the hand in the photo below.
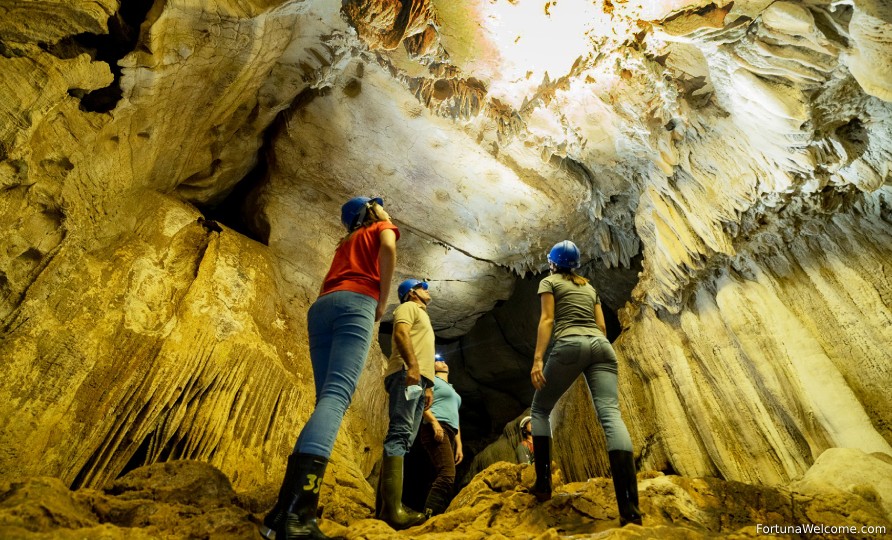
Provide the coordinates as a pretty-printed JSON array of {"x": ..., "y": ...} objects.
[
  {"x": 536, "y": 375},
  {"x": 438, "y": 432},
  {"x": 379, "y": 311},
  {"x": 458, "y": 455},
  {"x": 413, "y": 375},
  {"x": 428, "y": 398}
]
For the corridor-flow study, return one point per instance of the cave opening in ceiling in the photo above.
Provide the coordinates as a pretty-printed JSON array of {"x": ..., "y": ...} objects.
[{"x": 121, "y": 39}]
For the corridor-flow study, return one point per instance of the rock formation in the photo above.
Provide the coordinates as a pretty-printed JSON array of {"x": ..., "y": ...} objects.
[
  {"x": 171, "y": 173},
  {"x": 184, "y": 499}
]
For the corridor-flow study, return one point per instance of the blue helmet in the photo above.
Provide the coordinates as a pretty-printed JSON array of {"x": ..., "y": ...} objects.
[
  {"x": 353, "y": 212},
  {"x": 564, "y": 255},
  {"x": 407, "y": 285}
]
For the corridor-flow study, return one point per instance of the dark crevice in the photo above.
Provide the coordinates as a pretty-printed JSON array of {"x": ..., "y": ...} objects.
[
  {"x": 138, "y": 459},
  {"x": 267, "y": 435},
  {"x": 232, "y": 210},
  {"x": 121, "y": 39},
  {"x": 174, "y": 449},
  {"x": 854, "y": 138},
  {"x": 612, "y": 321},
  {"x": 238, "y": 209}
]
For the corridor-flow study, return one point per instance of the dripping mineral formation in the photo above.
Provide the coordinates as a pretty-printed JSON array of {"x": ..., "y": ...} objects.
[{"x": 170, "y": 179}]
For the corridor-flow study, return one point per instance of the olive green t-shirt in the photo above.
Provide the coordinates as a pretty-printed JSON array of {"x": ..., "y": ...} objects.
[{"x": 574, "y": 307}]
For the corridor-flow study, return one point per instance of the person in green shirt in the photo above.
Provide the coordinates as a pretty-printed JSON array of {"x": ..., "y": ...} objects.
[
  {"x": 571, "y": 316},
  {"x": 441, "y": 438}
]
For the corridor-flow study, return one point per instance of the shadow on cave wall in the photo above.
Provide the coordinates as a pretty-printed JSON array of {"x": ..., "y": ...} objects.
[{"x": 241, "y": 208}]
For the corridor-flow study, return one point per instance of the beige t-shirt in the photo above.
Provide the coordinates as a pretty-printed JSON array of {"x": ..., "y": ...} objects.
[
  {"x": 574, "y": 307},
  {"x": 421, "y": 333}
]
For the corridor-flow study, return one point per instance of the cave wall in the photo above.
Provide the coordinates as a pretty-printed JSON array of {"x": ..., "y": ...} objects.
[
  {"x": 739, "y": 151},
  {"x": 131, "y": 329},
  {"x": 773, "y": 361},
  {"x": 174, "y": 340}
]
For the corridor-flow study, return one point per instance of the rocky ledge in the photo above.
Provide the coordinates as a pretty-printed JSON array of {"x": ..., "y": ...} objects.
[{"x": 190, "y": 499}]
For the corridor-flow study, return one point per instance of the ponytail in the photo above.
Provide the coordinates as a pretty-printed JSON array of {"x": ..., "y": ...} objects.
[
  {"x": 371, "y": 216},
  {"x": 568, "y": 273}
]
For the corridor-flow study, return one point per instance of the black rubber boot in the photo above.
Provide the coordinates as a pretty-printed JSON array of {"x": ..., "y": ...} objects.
[
  {"x": 435, "y": 503},
  {"x": 392, "y": 510},
  {"x": 625, "y": 484},
  {"x": 274, "y": 517},
  {"x": 542, "y": 462},
  {"x": 302, "y": 499}
]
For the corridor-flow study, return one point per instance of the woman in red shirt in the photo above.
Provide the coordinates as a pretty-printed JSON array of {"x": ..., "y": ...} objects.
[{"x": 340, "y": 323}]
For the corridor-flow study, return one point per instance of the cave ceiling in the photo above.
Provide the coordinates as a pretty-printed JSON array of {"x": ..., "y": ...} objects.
[
  {"x": 683, "y": 133},
  {"x": 669, "y": 139}
]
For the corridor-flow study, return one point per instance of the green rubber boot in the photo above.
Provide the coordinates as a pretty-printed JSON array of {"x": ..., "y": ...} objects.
[{"x": 393, "y": 512}]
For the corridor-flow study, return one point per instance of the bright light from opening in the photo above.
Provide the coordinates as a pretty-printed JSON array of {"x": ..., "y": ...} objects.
[{"x": 538, "y": 37}]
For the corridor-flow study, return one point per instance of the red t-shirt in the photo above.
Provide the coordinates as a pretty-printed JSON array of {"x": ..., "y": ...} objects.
[{"x": 355, "y": 265}]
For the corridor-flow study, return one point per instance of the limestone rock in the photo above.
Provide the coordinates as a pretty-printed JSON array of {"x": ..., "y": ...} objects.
[
  {"x": 202, "y": 365},
  {"x": 870, "y": 58},
  {"x": 739, "y": 152},
  {"x": 185, "y": 498},
  {"x": 797, "y": 358},
  {"x": 386, "y": 24},
  {"x": 178, "y": 499},
  {"x": 839, "y": 472},
  {"x": 49, "y": 21},
  {"x": 464, "y": 251}
]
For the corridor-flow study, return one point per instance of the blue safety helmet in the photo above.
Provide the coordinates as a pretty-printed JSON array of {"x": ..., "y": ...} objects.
[
  {"x": 353, "y": 212},
  {"x": 564, "y": 255},
  {"x": 407, "y": 285}
]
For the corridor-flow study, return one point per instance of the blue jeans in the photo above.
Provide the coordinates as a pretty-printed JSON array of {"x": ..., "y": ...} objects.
[
  {"x": 340, "y": 326},
  {"x": 594, "y": 357},
  {"x": 405, "y": 415}
]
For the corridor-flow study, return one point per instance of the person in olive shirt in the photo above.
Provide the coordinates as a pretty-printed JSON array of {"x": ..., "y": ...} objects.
[
  {"x": 441, "y": 438},
  {"x": 571, "y": 315},
  {"x": 409, "y": 381}
]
